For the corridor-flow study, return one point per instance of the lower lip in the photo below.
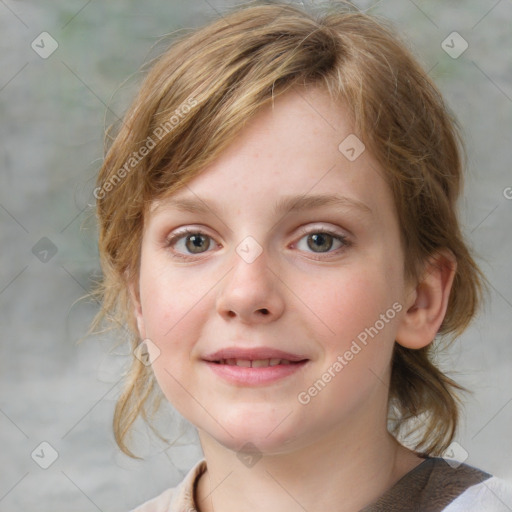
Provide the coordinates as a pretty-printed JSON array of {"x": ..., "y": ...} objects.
[{"x": 243, "y": 375}]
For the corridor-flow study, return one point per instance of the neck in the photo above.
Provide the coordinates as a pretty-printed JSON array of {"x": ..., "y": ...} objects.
[{"x": 336, "y": 473}]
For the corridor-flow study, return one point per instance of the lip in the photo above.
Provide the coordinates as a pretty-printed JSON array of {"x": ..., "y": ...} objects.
[
  {"x": 252, "y": 354},
  {"x": 258, "y": 376}
]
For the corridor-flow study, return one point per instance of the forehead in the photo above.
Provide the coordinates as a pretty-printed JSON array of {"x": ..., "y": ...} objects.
[{"x": 291, "y": 155}]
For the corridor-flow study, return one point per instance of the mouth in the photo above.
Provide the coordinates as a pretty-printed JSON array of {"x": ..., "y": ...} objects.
[
  {"x": 257, "y": 363},
  {"x": 253, "y": 367}
]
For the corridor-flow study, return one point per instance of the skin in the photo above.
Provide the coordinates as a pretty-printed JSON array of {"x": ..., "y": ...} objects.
[{"x": 333, "y": 453}]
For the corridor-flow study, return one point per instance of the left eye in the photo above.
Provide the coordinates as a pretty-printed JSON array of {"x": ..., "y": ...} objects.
[
  {"x": 322, "y": 241},
  {"x": 188, "y": 243}
]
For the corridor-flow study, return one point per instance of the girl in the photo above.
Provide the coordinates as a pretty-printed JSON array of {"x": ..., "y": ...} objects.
[{"x": 278, "y": 229}]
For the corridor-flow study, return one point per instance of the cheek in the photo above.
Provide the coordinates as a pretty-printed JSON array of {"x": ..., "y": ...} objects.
[
  {"x": 170, "y": 299},
  {"x": 357, "y": 348},
  {"x": 175, "y": 305},
  {"x": 347, "y": 302},
  {"x": 172, "y": 319},
  {"x": 356, "y": 325}
]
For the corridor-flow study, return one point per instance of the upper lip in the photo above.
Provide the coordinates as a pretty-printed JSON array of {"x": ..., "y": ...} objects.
[{"x": 252, "y": 354}]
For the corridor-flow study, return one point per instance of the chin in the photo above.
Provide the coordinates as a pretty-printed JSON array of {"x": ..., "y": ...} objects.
[{"x": 261, "y": 433}]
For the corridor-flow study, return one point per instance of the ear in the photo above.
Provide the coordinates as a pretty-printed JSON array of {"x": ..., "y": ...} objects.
[
  {"x": 137, "y": 308},
  {"x": 428, "y": 302}
]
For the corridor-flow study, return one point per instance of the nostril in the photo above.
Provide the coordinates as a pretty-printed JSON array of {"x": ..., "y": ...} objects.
[{"x": 263, "y": 311}]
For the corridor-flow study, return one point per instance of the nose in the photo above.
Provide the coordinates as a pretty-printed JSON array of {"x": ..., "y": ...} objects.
[{"x": 251, "y": 292}]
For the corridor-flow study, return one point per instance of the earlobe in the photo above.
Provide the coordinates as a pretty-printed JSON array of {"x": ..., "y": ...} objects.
[{"x": 425, "y": 314}]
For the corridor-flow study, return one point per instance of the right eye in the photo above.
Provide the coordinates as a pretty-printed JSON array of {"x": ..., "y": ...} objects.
[{"x": 189, "y": 242}]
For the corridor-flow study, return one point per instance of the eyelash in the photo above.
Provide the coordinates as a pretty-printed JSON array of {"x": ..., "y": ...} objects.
[{"x": 303, "y": 232}]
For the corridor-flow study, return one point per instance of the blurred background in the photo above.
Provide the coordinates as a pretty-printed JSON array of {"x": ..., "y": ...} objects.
[{"x": 69, "y": 68}]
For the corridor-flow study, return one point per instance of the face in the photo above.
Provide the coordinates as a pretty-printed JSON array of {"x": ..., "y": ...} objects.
[{"x": 271, "y": 286}]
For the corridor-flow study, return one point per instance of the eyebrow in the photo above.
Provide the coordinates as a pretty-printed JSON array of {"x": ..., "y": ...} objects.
[
  {"x": 286, "y": 204},
  {"x": 309, "y": 202}
]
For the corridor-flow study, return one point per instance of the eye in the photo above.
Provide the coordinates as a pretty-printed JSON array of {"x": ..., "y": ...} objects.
[
  {"x": 322, "y": 241},
  {"x": 189, "y": 242}
]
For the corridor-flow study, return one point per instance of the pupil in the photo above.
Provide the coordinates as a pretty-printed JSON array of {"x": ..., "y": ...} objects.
[
  {"x": 323, "y": 240},
  {"x": 195, "y": 242}
]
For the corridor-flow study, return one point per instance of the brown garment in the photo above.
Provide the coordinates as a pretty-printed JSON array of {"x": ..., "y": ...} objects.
[{"x": 429, "y": 487}]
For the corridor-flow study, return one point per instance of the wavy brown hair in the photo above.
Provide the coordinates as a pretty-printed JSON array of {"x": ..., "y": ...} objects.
[{"x": 194, "y": 101}]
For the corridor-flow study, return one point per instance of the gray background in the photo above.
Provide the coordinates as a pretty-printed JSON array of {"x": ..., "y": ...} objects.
[{"x": 53, "y": 111}]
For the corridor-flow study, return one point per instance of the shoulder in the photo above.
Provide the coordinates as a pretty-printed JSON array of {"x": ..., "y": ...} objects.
[
  {"x": 161, "y": 503},
  {"x": 179, "y": 498},
  {"x": 438, "y": 485},
  {"x": 491, "y": 495}
]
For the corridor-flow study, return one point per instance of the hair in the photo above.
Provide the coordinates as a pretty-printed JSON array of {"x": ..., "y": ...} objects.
[{"x": 194, "y": 101}]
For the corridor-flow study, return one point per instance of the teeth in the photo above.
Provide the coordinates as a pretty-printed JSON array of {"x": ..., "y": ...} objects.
[
  {"x": 260, "y": 363},
  {"x": 256, "y": 363}
]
